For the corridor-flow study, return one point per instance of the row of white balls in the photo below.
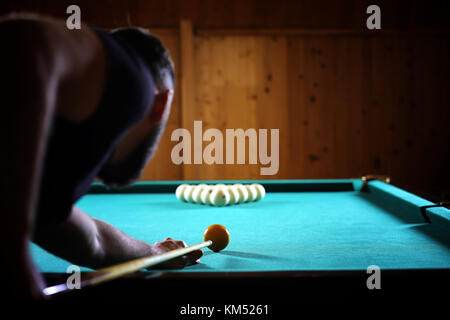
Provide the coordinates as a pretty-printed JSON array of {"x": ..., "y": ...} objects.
[{"x": 220, "y": 194}]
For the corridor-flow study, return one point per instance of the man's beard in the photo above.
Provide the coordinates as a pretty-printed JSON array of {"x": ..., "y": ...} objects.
[{"x": 130, "y": 169}]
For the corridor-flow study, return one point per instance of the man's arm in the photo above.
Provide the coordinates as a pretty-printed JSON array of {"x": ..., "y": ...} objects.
[
  {"x": 26, "y": 111},
  {"x": 39, "y": 61},
  {"x": 93, "y": 243}
]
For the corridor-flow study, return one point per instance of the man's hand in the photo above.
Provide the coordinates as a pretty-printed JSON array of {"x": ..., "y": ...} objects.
[{"x": 176, "y": 263}]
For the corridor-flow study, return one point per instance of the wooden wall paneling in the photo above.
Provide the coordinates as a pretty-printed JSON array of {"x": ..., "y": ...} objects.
[
  {"x": 349, "y": 98},
  {"x": 379, "y": 107},
  {"x": 209, "y": 91},
  {"x": 374, "y": 115},
  {"x": 353, "y": 88},
  {"x": 389, "y": 124},
  {"x": 242, "y": 85},
  {"x": 327, "y": 101},
  {"x": 375, "y": 102},
  {"x": 430, "y": 112},
  {"x": 360, "y": 114},
  {"x": 188, "y": 87},
  {"x": 440, "y": 177},
  {"x": 298, "y": 120},
  {"x": 242, "y": 63},
  {"x": 224, "y": 72},
  {"x": 399, "y": 130},
  {"x": 335, "y": 71},
  {"x": 345, "y": 104},
  {"x": 272, "y": 108},
  {"x": 299, "y": 117},
  {"x": 313, "y": 104}
]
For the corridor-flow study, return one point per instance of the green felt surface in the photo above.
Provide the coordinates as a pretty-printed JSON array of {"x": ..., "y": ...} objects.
[{"x": 339, "y": 230}]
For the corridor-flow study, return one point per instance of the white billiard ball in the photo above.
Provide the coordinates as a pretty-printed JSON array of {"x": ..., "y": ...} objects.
[
  {"x": 179, "y": 193},
  {"x": 252, "y": 192},
  {"x": 197, "y": 192},
  {"x": 243, "y": 193},
  {"x": 205, "y": 195},
  {"x": 220, "y": 196},
  {"x": 188, "y": 193},
  {"x": 234, "y": 194},
  {"x": 261, "y": 191}
]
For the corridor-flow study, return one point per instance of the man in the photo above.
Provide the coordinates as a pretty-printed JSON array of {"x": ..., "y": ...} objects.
[{"x": 76, "y": 105}]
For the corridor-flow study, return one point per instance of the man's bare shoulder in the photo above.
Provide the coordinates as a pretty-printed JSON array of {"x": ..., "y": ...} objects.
[{"x": 76, "y": 59}]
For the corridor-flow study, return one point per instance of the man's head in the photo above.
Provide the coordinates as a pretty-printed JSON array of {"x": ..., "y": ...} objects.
[
  {"x": 139, "y": 144},
  {"x": 152, "y": 51}
]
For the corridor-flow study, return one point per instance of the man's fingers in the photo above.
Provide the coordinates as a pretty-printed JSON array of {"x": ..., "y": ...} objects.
[
  {"x": 183, "y": 261},
  {"x": 194, "y": 257},
  {"x": 182, "y": 244},
  {"x": 178, "y": 243}
]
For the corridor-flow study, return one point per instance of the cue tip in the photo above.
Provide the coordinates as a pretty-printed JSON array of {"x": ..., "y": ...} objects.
[{"x": 51, "y": 291}]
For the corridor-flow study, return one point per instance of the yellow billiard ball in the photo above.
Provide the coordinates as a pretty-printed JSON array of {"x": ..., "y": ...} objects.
[{"x": 219, "y": 235}]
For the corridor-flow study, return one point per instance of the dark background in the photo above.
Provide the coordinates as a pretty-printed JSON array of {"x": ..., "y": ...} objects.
[{"x": 246, "y": 13}]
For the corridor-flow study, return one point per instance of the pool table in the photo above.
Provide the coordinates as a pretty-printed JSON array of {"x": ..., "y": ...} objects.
[{"x": 305, "y": 235}]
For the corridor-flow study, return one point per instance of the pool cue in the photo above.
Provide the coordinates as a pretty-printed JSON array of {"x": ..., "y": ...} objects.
[{"x": 121, "y": 269}]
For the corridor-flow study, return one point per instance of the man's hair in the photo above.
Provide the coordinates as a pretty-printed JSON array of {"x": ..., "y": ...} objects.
[{"x": 152, "y": 51}]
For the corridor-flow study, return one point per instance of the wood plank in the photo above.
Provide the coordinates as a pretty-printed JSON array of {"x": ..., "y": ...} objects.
[
  {"x": 187, "y": 89},
  {"x": 245, "y": 32}
]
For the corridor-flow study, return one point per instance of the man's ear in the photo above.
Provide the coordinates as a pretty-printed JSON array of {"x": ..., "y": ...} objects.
[{"x": 161, "y": 106}]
